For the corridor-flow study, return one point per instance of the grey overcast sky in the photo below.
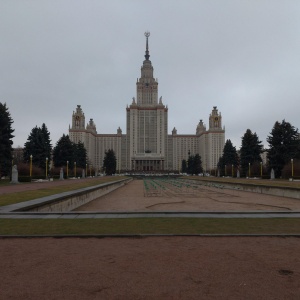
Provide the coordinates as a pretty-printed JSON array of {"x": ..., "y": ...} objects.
[{"x": 241, "y": 56}]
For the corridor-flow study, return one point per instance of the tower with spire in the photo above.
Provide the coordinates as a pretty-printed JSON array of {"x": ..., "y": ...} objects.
[
  {"x": 146, "y": 86},
  {"x": 147, "y": 122},
  {"x": 146, "y": 145}
]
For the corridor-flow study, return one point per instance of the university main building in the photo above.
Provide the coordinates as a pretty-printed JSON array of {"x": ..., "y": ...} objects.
[{"x": 147, "y": 146}]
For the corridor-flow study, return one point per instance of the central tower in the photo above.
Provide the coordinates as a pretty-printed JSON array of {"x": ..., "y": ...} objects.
[
  {"x": 147, "y": 123},
  {"x": 146, "y": 86}
]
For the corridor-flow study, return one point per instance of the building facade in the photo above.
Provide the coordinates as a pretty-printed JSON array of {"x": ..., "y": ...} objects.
[{"x": 147, "y": 146}]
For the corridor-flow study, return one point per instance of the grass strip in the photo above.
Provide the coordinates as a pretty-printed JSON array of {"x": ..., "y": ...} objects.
[
  {"x": 150, "y": 226},
  {"x": 11, "y": 198}
]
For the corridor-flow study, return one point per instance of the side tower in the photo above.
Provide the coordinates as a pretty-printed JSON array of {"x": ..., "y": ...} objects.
[
  {"x": 77, "y": 130},
  {"x": 147, "y": 123},
  {"x": 215, "y": 139},
  {"x": 87, "y": 135}
]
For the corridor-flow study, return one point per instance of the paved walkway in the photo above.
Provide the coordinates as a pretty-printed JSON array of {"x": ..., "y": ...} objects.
[{"x": 177, "y": 197}]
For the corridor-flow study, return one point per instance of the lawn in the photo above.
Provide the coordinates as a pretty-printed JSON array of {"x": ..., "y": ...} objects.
[
  {"x": 11, "y": 198},
  {"x": 182, "y": 226}
]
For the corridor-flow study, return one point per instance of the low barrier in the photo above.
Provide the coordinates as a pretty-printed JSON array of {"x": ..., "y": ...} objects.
[{"x": 66, "y": 201}]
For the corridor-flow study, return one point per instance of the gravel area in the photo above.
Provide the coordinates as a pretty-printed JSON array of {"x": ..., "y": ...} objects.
[{"x": 150, "y": 268}]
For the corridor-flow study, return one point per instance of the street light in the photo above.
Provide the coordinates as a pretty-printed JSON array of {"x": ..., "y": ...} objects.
[
  {"x": 75, "y": 168},
  {"x": 30, "y": 166},
  {"x": 231, "y": 170},
  {"x": 46, "y": 167},
  {"x": 249, "y": 170},
  {"x": 292, "y": 161},
  {"x": 86, "y": 173},
  {"x": 67, "y": 168}
]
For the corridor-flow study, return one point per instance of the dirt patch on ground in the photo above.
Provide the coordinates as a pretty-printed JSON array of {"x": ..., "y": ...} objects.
[
  {"x": 132, "y": 197},
  {"x": 150, "y": 268}
]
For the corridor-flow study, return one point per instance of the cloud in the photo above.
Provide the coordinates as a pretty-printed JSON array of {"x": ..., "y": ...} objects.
[{"x": 241, "y": 56}]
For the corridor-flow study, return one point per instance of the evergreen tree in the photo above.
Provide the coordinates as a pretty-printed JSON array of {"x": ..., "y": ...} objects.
[
  {"x": 229, "y": 157},
  {"x": 197, "y": 164},
  {"x": 80, "y": 155},
  {"x": 183, "y": 166},
  {"x": 190, "y": 164},
  {"x": 194, "y": 164},
  {"x": 38, "y": 145},
  {"x": 46, "y": 140},
  {"x": 283, "y": 145},
  {"x": 29, "y": 146},
  {"x": 221, "y": 163},
  {"x": 63, "y": 152},
  {"x": 5, "y": 140},
  {"x": 250, "y": 150},
  {"x": 110, "y": 162}
]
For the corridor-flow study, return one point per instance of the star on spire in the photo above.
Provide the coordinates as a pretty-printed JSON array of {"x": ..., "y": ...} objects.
[{"x": 147, "y": 34}]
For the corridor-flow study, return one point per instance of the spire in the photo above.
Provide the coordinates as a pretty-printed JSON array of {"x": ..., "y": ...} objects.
[{"x": 147, "y": 34}]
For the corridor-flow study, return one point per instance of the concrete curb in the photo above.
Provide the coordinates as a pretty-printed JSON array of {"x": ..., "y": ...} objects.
[
  {"x": 102, "y": 236},
  {"x": 167, "y": 214}
]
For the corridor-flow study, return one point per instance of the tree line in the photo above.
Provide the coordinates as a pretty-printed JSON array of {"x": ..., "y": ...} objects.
[
  {"x": 284, "y": 145},
  {"x": 39, "y": 151},
  {"x": 283, "y": 141}
]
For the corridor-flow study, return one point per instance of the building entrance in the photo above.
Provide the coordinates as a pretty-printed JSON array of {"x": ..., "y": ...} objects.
[{"x": 148, "y": 165}]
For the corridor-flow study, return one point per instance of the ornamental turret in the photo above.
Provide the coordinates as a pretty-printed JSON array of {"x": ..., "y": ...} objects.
[
  {"x": 215, "y": 120},
  {"x": 91, "y": 127},
  {"x": 78, "y": 118},
  {"x": 200, "y": 128}
]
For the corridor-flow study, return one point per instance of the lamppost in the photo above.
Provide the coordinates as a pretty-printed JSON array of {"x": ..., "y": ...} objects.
[
  {"x": 67, "y": 169},
  {"x": 30, "y": 166},
  {"x": 231, "y": 170},
  {"x": 292, "y": 162},
  {"x": 46, "y": 167},
  {"x": 249, "y": 170},
  {"x": 86, "y": 174},
  {"x": 75, "y": 168},
  {"x": 90, "y": 170},
  {"x": 261, "y": 169}
]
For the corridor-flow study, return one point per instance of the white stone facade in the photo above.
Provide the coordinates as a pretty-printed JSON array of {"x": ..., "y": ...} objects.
[{"x": 146, "y": 146}]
